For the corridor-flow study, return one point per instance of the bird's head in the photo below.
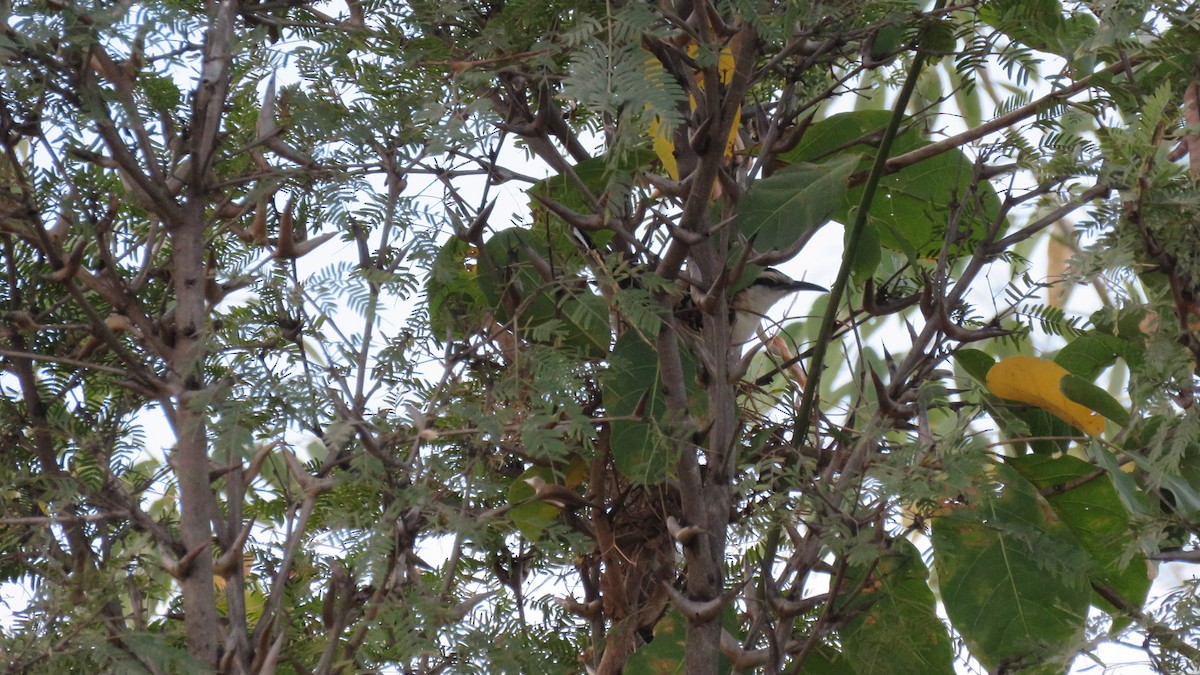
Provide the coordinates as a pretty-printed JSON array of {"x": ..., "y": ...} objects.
[{"x": 752, "y": 302}]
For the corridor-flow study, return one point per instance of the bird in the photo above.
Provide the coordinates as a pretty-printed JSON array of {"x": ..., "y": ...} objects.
[{"x": 749, "y": 305}]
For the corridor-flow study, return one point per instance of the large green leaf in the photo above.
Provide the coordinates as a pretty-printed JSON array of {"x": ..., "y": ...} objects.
[
  {"x": 1131, "y": 325},
  {"x": 667, "y": 652},
  {"x": 1183, "y": 485},
  {"x": 565, "y": 313},
  {"x": 587, "y": 317},
  {"x": 533, "y": 517},
  {"x": 607, "y": 180},
  {"x": 897, "y": 601},
  {"x": 1042, "y": 25},
  {"x": 825, "y": 660},
  {"x": 456, "y": 302},
  {"x": 867, "y": 254},
  {"x": 778, "y": 210},
  {"x": 633, "y": 384},
  {"x": 1090, "y": 353},
  {"x": 1090, "y": 506},
  {"x": 153, "y": 649},
  {"x": 1014, "y": 582},
  {"x": 911, "y": 207},
  {"x": 1134, "y": 499},
  {"x": 1189, "y": 478},
  {"x": 855, "y": 132},
  {"x": 1044, "y": 432},
  {"x": 975, "y": 362},
  {"x": 1087, "y": 394}
]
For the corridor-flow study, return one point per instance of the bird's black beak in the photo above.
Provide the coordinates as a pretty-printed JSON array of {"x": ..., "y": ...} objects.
[{"x": 805, "y": 286}]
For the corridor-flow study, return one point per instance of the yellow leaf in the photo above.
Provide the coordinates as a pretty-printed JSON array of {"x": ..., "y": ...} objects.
[
  {"x": 1036, "y": 382},
  {"x": 664, "y": 147},
  {"x": 725, "y": 68},
  {"x": 664, "y": 142},
  {"x": 725, "y": 64},
  {"x": 733, "y": 133}
]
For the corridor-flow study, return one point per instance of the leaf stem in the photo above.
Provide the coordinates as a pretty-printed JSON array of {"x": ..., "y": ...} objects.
[
  {"x": 853, "y": 238},
  {"x": 829, "y": 320}
]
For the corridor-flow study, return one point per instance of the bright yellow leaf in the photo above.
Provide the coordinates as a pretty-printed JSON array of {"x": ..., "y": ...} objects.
[
  {"x": 664, "y": 147},
  {"x": 733, "y": 133},
  {"x": 725, "y": 64},
  {"x": 1036, "y": 382},
  {"x": 725, "y": 68},
  {"x": 664, "y": 141}
]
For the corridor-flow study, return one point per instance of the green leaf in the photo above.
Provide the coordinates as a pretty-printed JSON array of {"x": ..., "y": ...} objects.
[
  {"x": 608, "y": 181},
  {"x": 1189, "y": 476},
  {"x": 1134, "y": 499},
  {"x": 587, "y": 314},
  {"x": 911, "y": 207},
  {"x": 1089, "y": 354},
  {"x": 936, "y": 37},
  {"x": 1090, "y": 506},
  {"x": 853, "y": 132},
  {"x": 156, "y": 650},
  {"x": 869, "y": 253},
  {"x": 1131, "y": 326},
  {"x": 502, "y": 255},
  {"x": 1034, "y": 23},
  {"x": 1184, "y": 485},
  {"x": 779, "y": 210},
  {"x": 1087, "y": 394},
  {"x": 1037, "y": 427},
  {"x": 825, "y": 660},
  {"x": 456, "y": 302},
  {"x": 561, "y": 314},
  {"x": 532, "y": 518},
  {"x": 666, "y": 653},
  {"x": 976, "y": 363},
  {"x": 885, "y": 41},
  {"x": 1014, "y": 582},
  {"x": 633, "y": 382},
  {"x": 1041, "y": 24},
  {"x": 897, "y": 601}
]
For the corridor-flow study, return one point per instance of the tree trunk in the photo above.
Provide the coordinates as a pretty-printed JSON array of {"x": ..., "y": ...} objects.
[
  {"x": 196, "y": 498},
  {"x": 198, "y": 505}
]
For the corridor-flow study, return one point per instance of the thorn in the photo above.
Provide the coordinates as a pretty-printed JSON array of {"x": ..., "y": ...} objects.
[
  {"x": 475, "y": 230},
  {"x": 23, "y": 322},
  {"x": 71, "y": 265},
  {"x": 256, "y": 464},
  {"x": 699, "y": 611},
  {"x": 232, "y": 558},
  {"x": 575, "y": 219},
  {"x": 587, "y": 610},
  {"x": 179, "y": 568},
  {"x": 304, "y": 248},
  {"x": 311, "y": 485},
  {"x": 266, "y": 125},
  {"x": 461, "y": 610},
  {"x": 683, "y": 535},
  {"x": 557, "y": 495}
]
